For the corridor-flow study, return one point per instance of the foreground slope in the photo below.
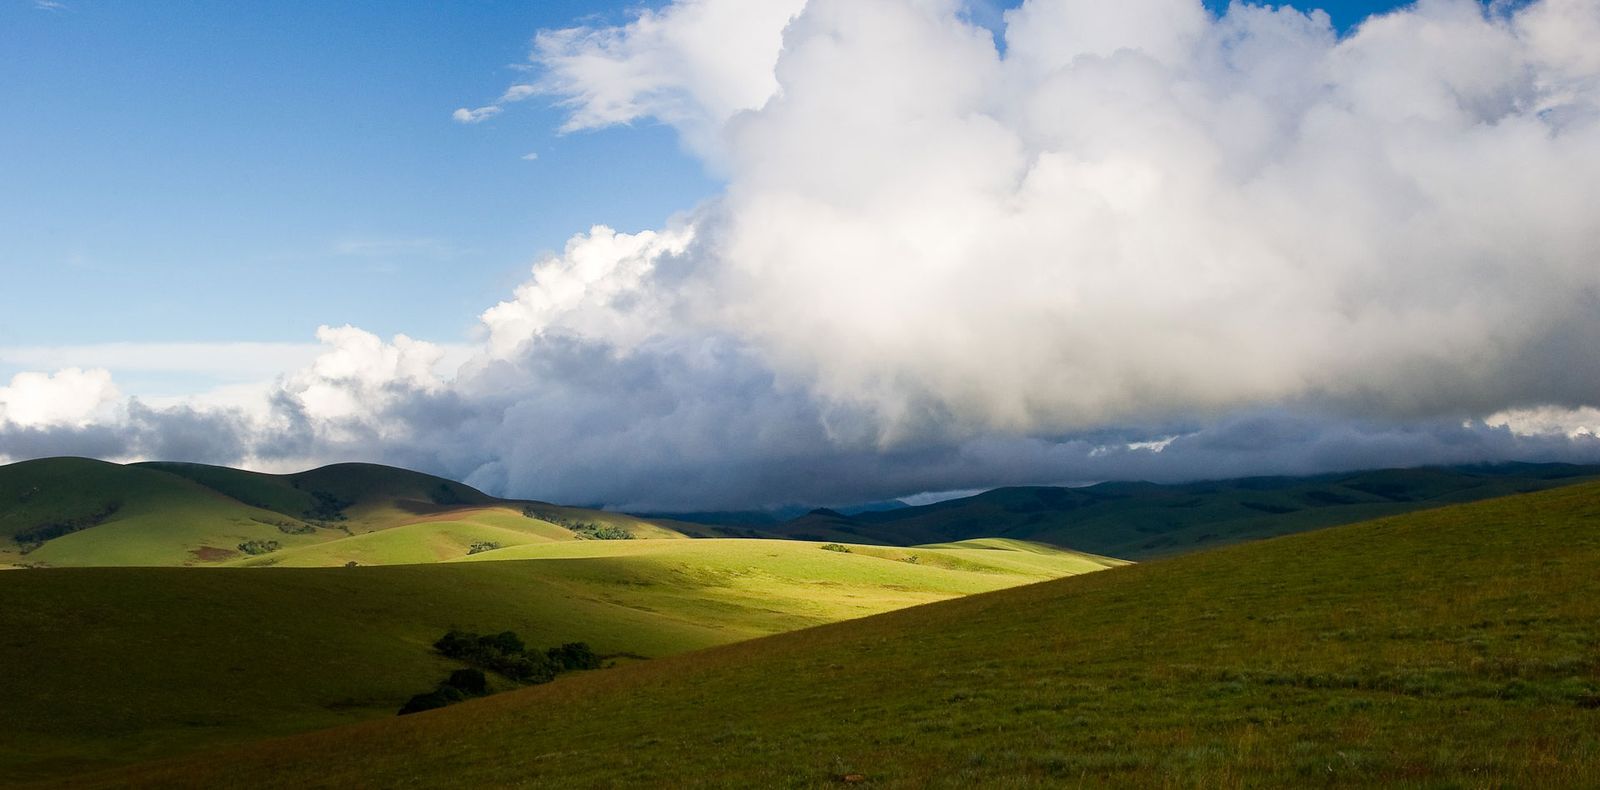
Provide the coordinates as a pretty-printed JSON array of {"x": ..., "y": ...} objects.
[
  {"x": 1145, "y": 520},
  {"x": 1451, "y": 647},
  {"x": 108, "y": 665}
]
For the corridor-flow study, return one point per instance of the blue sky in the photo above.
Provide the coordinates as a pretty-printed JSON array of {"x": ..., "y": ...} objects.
[{"x": 232, "y": 172}]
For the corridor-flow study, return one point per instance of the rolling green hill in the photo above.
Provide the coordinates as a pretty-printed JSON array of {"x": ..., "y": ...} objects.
[
  {"x": 60, "y": 512},
  {"x": 109, "y": 665},
  {"x": 1454, "y": 647},
  {"x": 1144, "y": 520}
]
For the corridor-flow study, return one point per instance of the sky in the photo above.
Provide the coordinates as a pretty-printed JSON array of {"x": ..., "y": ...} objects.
[{"x": 723, "y": 253}]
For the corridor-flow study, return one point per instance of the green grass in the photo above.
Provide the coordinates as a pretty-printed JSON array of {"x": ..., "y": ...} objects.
[
  {"x": 167, "y": 514},
  {"x": 108, "y": 665},
  {"x": 1455, "y": 647}
]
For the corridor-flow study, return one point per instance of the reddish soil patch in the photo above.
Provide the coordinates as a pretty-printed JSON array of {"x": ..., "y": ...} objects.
[{"x": 213, "y": 554}]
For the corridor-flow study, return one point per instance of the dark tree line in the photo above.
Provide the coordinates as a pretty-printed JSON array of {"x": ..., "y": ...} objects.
[{"x": 504, "y": 654}]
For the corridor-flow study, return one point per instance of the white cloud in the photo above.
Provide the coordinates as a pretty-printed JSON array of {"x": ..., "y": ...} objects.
[
  {"x": 72, "y": 397},
  {"x": 596, "y": 290},
  {"x": 358, "y": 374},
  {"x": 694, "y": 64},
  {"x": 476, "y": 115},
  {"x": 530, "y": 156},
  {"x": 1139, "y": 212},
  {"x": 938, "y": 267},
  {"x": 1549, "y": 421}
]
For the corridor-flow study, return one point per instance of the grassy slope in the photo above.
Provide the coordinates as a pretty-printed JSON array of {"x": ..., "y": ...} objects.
[
  {"x": 106, "y": 665},
  {"x": 159, "y": 519},
  {"x": 1450, "y": 647},
  {"x": 1144, "y": 520},
  {"x": 167, "y": 514}
]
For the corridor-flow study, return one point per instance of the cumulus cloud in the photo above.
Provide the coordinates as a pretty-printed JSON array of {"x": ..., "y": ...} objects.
[
  {"x": 694, "y": 64},
  {"x": 71, "y": 397},
  {"x": 1136, "y": 240}
]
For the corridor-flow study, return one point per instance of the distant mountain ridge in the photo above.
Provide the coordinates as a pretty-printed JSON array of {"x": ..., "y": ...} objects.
[{"x": 1137, "y": 520}]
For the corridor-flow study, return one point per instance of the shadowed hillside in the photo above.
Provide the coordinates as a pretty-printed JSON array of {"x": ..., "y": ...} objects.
[
  {"x": 1452, "y": 647},
  {"x": 1144, "y": 520}
]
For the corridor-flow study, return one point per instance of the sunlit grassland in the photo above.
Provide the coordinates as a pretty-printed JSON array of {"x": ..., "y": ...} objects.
[
  {"x": 109, "y": 665},
  {"x": 164, "y": 514},
  {"x": 1457, "y": 647}
]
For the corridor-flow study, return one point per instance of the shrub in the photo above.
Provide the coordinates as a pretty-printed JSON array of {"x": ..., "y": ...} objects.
[
  {"x": 482, "y": 546},
  {"x": 456, "y": 643},
  {"x": 469, "y": 681},
  {"x": 254, "y": 547},
  {"x": 530, "y": 668},
  {"x": 438, "y": 698},
  {"x": 595, "y": 531},
  {"x": 839, "y": 547},
  {"x": 585, "y": 529},
  {"x": 506, "y": 642},
  {"x": 574, "y": 655}
]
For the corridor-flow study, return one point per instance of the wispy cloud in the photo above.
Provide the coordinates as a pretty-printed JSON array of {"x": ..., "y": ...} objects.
[
  {"x": 49, "y": 5},
  {"x": 515, "y": 93},
  {"x": 479, "y": 115}
]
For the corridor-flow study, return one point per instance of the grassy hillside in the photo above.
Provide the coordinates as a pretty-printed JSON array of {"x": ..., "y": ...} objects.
[
  {"x": 1450, "y": 647},
  {"x": 76, "y": 511},
  {"x": 1144, "y": 520},
  {"x": 64, "y": 512},
  {"x": 60, "y": 512},
  {"x": 107, "y": 665}
]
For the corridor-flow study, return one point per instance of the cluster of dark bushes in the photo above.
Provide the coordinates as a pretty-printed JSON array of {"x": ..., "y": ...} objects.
[
  {"x": 254, "y": 547},
  {"x": 481, "y": 546},
  {"x": 463, "y": 684},
  {"x": 591, "y": 530},
  {"x": 328, "y": 507},
  {"x": 504, "y": 654},
  {"x": 839, "y": 547},
  {"x": 603, "y": 532},
  {"x": 35, "y": 536},
  {"x": 287, "y": 527}
]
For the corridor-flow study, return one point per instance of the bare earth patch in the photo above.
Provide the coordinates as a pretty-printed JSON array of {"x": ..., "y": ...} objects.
[{"x": 213, "y": 554}]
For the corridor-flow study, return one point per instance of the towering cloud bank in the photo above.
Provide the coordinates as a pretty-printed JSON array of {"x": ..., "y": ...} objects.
[{"x": 947, "y": 257}]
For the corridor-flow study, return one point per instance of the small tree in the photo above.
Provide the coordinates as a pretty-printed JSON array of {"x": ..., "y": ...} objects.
[
  {"x": 470, "y": 682},
  {"x": 438, "y": 698},
  {"x": 574, "y": 655}
]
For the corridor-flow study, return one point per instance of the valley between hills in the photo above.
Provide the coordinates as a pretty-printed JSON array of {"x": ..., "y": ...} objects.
[{"x": 191, "y": 625}]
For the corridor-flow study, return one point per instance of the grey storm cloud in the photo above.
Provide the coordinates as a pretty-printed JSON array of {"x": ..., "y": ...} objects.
[{"x": 1128, "y": 240}]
